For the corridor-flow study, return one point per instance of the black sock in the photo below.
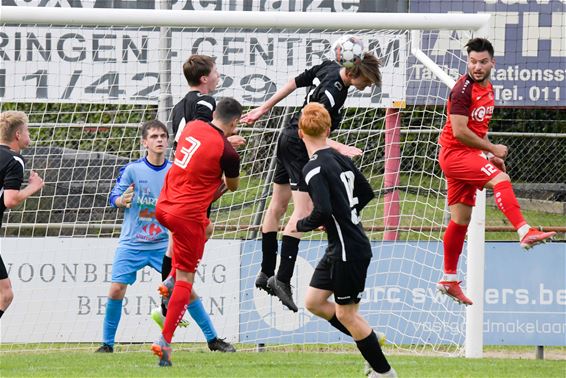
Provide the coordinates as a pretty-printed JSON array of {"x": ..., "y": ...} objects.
[
  {"x": 370, "y": 349},
  {"x": 269, "y": 251},
  {"x": 163, "y": 308},
  {"x": 1, "y": 313},
  {"x": 165, "y": 271},
  {"x": 165, "y": 267},
  {"x": 289, "y": 251},
  {"x": 339, "y": 326}
]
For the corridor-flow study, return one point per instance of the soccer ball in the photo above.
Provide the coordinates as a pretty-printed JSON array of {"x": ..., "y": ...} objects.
[{"x": 348, "y": 50}]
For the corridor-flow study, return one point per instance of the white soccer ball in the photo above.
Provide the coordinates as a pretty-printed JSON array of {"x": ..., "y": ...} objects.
[{"x": 348, "y": 50}]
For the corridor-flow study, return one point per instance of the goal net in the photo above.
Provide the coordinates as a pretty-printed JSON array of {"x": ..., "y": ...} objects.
[{"x": 87, "y": 90}]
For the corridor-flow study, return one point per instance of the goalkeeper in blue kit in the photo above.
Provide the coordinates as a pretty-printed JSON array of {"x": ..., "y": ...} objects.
[{"x": 143, "y": 240}]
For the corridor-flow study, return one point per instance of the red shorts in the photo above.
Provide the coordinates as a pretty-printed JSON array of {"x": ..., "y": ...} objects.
[
  {"x": 466, "y": 171},
  {"x": 188, "y": 237}
]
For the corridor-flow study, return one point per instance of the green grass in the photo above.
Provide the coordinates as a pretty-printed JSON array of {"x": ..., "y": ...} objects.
[
  {"x": 268, "y": 364},
  {"x": 422, "y": 209}
]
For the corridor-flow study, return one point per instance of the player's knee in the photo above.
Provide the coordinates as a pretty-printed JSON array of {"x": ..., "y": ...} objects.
[
  {"x": 461, "y": 219},
  {"x": 117, "y": 291},
  {"x": 502, "y": 177},
  {"x": 7, "y": 297},
  {"x": 277, "y": 209},
  {"x": 194, "y": 296},
  {"x": 312, "y": 304},
  {"x": 345, "y": 315}
]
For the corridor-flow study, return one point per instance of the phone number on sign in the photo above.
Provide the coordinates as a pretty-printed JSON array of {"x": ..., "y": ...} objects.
[{"x": 533, "y": 93}]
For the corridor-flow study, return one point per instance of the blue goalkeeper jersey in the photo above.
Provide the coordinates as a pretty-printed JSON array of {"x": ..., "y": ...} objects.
[{"x": 140, "y": 230}]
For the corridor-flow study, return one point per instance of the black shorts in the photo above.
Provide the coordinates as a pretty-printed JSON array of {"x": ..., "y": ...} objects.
[
  {"x": 291, "y": 158},
  {"x": 3, "y": 271},
  {"x": 346, "y": 279}
]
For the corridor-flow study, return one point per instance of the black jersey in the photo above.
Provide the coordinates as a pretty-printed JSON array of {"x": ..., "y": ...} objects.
[
  {"x": 194, "y": 105},
  {"x": 326, "y": 87},
  {"x": 339, "y": 192},
  {"x": 11, "y": 173}
]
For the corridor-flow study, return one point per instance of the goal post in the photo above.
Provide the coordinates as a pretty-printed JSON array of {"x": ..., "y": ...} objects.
[{"x": 88, "y": 77}]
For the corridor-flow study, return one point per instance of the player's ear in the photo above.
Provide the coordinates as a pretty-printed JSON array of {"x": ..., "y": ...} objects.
[
  {"x": 328, "y": 132},
  {"x": 301, "y": 135}
]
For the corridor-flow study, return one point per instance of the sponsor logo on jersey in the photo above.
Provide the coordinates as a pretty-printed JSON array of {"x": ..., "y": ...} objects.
[
  {"x": 150, "y": 232},
  {"x": 481, "y": 113}
]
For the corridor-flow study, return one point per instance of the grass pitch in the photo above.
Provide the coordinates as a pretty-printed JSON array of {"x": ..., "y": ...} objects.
[{"x": 142, "y": 363}]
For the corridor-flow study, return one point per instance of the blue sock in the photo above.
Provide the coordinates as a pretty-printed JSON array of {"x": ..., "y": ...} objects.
[
  {"x": 199, "y": 314},
  {"x": 111, "y": 320}
]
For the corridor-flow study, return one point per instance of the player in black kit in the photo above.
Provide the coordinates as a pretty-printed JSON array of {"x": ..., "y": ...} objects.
[
  {"x": 339, "y": 193},
  {"x": 14, "y": 136},
  {"x": 327, "y": 84}
]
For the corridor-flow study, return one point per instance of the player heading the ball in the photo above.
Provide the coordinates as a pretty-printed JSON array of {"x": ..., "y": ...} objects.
[{"x": 327, "y": 84}]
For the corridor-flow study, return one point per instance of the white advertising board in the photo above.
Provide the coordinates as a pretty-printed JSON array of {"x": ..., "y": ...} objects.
[{"x": 61, "y": 287}]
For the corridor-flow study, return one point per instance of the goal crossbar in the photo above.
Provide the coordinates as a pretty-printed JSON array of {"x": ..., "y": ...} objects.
[{"x": 187, "y": 18}]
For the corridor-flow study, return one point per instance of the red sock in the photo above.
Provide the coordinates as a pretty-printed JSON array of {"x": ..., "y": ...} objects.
[
  {"x": 177, "y": 307},
  {"x": 454, "y": 237},
  {"x": 507, "y": 203}
]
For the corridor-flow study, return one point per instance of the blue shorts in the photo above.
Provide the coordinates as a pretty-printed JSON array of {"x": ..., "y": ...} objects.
[{"x": 127, "y": 262}]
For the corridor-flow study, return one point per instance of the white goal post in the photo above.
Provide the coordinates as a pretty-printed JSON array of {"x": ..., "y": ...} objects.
[{"x": 287, "y": 22}]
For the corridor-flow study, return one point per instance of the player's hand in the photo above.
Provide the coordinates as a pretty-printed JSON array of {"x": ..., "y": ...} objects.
[
  {"x": 250, "y": 117},
  {"x": 35, "y": 181},
  {"x": 321, "y": 228},
  {"x": 498, "y": 162},
  {"x": 350, "y": 151},
  {"x": 499, "y": 150},
  {"x": 236, "y": 140},
  {"x": 128, "y": 196}
]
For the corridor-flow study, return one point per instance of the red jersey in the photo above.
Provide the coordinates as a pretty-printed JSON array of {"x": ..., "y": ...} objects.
[
  {"x": 472, "y": 100},
  {"x": 203, "y": 154}
]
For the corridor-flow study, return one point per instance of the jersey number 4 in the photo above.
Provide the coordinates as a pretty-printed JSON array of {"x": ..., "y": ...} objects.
[
  {"x": 187, "y": 152},
  {"x": 348, "y": 179}
]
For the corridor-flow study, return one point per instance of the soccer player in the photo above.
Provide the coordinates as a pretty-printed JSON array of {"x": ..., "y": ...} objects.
[
  {"x": 203, "y": 156},
  {"x": 14, "y": 137},
  {"x": 327, "y": 84},
  {"x": 143, "y": 240},
  {"x": 463, "y": 142},
  {"x": 202, "y": 77},
  {"x": 339, "y": 192}
]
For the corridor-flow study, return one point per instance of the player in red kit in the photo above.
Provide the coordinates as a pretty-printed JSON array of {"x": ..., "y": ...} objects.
[
  {"x": 463, "y": 143},
  {"x": 204, "y": 161}
]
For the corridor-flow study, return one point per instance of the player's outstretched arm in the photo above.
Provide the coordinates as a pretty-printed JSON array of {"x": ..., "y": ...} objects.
[
  {"x": 236, "y": 140},
  {"x": 350, "y": 151},
  {"x": 251, "y": 117},
  {"x": 13, "y": 197}
]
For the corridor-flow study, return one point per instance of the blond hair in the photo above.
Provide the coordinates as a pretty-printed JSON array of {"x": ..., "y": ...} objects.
[
  {"x": 368, "y": 67},
  {"x": 314, "y": 120},
  {"x": 10, "y": 122}
]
